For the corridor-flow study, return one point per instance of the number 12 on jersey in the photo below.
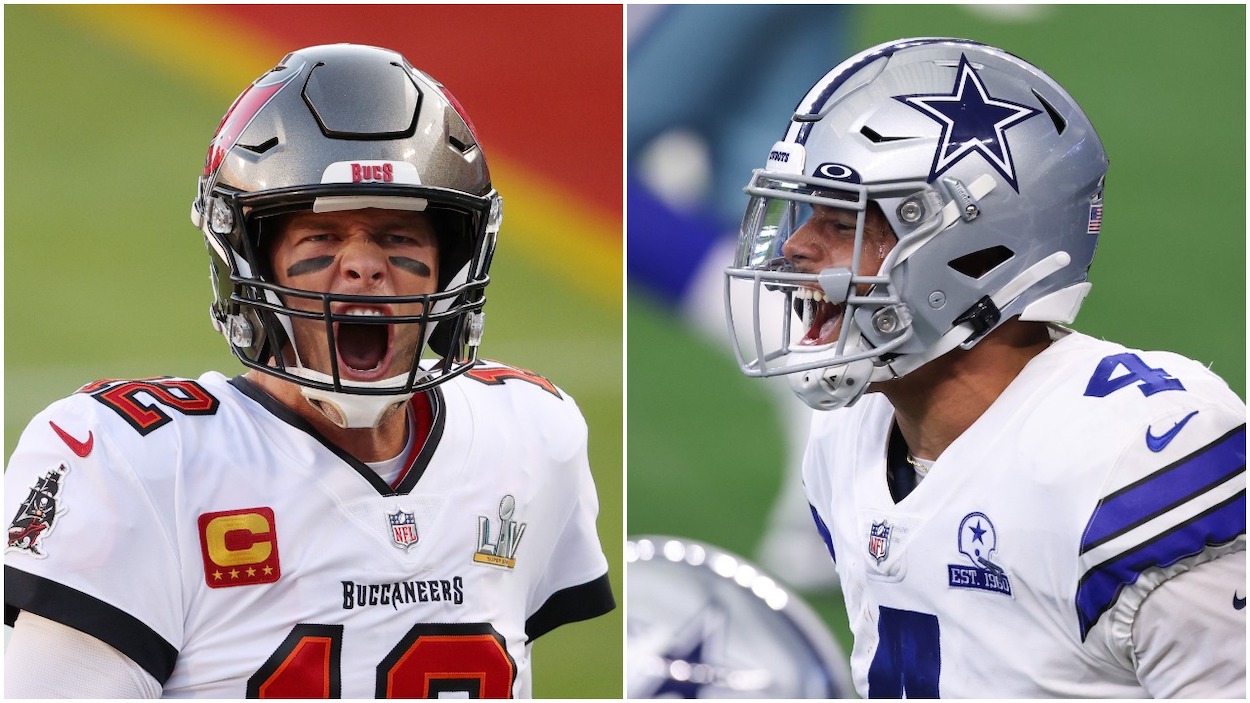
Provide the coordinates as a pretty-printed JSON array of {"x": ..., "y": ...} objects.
[{"x": 451, "y": 658}]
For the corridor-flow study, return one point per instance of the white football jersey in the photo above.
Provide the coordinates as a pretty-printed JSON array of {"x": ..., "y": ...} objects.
[
  {"x": 208, "y": 533},
  {"x": 1015, "y": 567}
]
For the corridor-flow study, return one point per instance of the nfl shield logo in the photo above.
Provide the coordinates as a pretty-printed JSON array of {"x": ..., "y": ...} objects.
[
  {"x": 879, "y": 540},
  {"x": 403, "y": 528}
]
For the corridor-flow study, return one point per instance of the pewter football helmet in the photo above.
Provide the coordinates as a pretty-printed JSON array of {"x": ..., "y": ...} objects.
[
  {"x": 988, "y": 173},
  {"x": 341, "y": 127},
  {"x": 704, "y": 623}
]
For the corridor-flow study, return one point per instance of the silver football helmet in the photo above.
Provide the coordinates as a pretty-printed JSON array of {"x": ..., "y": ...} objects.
[
  {"x": 705, "y": 623},
  {"x": 342, "y": 127},
  {"x": 991, "y": 179}
]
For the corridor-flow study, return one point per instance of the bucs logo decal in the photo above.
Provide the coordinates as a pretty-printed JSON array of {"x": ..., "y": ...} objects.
[
  {"x": 240, "y": 547},
  {"x": 38, "y": 514}
]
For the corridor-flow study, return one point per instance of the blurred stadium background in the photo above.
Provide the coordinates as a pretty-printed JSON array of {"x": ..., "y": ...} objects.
[
  {"x": 1164, "y": 85},
  {"x": 109, "y": 111}
]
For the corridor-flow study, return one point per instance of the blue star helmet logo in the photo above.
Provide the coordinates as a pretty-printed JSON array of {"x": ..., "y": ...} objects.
[
  {"x": 978, "y": 533},
  {"x": 972, "y": 121}
]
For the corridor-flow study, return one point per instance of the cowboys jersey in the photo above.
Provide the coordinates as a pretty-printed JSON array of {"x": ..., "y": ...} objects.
[
  {"x": 1016, "y": 566},
  {"x": 211, "y": 535}
]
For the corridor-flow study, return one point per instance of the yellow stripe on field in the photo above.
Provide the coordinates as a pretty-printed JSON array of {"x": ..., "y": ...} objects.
[{"x": 574, "y": 241}]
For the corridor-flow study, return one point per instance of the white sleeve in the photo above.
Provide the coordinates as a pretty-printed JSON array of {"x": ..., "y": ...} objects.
[
  {"x": 46, "y": 659},
  {"x": 1189, "y": 636}
]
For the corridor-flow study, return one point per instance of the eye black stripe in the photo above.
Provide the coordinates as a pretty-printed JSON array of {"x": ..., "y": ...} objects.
[
  {"x": 317, "y": 263},
  {"x": 411, "y": 265}
]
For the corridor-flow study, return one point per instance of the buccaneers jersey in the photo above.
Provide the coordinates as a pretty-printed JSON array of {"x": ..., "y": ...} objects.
[
  {"x": 216, "y": 539},
  {"x": 1015, "y": 567}
]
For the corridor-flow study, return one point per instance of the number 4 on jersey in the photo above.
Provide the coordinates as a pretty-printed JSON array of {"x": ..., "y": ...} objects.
[{"x": 1104, "y": 382}]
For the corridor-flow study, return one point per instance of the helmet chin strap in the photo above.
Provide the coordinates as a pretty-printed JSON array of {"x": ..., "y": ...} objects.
[
  {"x": 349, "y": 410},
  {"x": 832, "y": 387}
]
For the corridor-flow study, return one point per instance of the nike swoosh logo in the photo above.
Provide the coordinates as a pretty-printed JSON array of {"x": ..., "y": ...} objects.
[
  {"x": 1156, "y": 444},
  {"x": 82, "y": 449},
  {"x": 1238, "y": 603}
]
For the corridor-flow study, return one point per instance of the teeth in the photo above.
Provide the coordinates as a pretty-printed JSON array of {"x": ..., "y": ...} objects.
[
  {"x": 809, "y": 294},
  {"x": 363, "y": 312}
]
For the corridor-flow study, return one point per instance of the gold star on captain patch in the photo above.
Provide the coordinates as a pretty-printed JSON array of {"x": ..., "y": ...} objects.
[
  {"x": 234, "y": 573},
  {"x": 268, "y": 570},
  {"x": 217, "y": 575}
]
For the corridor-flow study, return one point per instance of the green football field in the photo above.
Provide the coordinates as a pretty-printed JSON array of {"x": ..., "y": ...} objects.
[{"x": 1165, "y": 87}]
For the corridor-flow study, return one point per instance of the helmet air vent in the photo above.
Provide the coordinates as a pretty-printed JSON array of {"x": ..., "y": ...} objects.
[
  {"x": 979, "y": 263},
  {"x": 876, "y": 138},
  {"x": 1060, "y": 123},
  {"x": 262, "y": 147}
]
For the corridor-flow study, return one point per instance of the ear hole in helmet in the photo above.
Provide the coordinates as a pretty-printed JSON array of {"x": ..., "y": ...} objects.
[
  {"x": 1060, "y": 123},
  {"x": 979, "y": 263}
]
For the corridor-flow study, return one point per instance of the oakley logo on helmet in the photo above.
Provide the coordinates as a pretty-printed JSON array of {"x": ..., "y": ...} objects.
[
  {"x": 972, "y": 121},
  {"x": 838, "y": 172}
]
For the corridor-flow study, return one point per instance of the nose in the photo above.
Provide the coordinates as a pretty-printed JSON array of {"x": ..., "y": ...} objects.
[
  {"x": 362, "y": 261},
  {"x": 802, "y": 248}
]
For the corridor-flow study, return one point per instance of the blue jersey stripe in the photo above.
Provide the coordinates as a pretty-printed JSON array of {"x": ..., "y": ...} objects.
[
  {"x": 823, "y": 529},
  {"x": 1166, "y": 488},
  {"x": 1101, "y": 585}
]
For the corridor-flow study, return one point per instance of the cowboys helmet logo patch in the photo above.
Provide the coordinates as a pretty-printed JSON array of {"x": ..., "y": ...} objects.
[
  {"x": 972, "y": 121},
  {"x": 403, "y": 528},
  {"x": 977, "y": 542},
  {"x": 879, "y": 540},
  {"x": 37, "y": 515}
]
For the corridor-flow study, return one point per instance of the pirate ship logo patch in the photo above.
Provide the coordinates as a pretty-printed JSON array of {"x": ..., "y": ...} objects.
[{"x": 37, "y": 515}]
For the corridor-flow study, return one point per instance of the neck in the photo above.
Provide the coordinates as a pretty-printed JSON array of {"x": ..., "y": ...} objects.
[
  {"x": 369, "y": 444},
  {"x": 939, "y": 401}
]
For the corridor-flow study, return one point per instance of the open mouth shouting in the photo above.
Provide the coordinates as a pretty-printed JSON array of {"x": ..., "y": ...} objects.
[
  {"x": 822, "y": 318},
  {"x": 364, "y": 349}
]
